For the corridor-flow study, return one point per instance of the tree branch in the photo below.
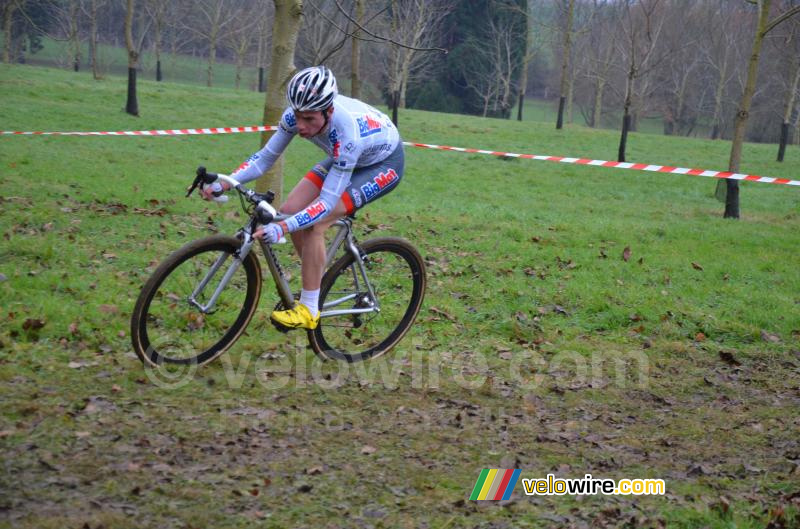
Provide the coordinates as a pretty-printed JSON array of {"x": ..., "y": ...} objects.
[
  {"x": 384, "y": 39},
  {"x": 774, "y": 22}
]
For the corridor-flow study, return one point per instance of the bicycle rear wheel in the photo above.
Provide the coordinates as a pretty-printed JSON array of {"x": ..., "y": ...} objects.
[
  {"x": 166, "y": 327},
  {"x": 396, "y": 273}
]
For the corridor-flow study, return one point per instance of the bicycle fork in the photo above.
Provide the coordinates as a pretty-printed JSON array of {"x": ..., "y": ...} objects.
[{"x": 238, "y": 258}]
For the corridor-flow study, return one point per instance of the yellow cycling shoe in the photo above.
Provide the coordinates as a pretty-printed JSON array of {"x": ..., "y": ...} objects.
[{"x": 297, "y": 318}]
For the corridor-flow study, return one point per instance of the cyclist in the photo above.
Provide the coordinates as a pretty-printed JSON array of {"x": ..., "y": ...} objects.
[{"x": 364, "y": 162}]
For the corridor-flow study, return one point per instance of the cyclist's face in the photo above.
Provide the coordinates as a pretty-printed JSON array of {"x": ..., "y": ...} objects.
[{"x": 310, "y": 123}]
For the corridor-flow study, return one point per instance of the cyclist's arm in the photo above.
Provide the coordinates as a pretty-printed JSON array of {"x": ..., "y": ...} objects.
[{"x": 264, "y": 159}]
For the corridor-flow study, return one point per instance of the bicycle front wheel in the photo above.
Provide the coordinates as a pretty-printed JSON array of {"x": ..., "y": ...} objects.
[
  {"x": 396, "y": 274},
  {"x": 173, "y": 321}
]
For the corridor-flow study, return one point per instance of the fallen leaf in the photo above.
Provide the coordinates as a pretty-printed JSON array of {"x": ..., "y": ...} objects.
[
  {"x": 699, "y": 337},
  {"x": 33, "y": 324},
  {"x": 367, "y": 449},
  {"x": 696, "y": 266},
  {"x": 73, "y": 328},
  {"x": 626, "y": 254},
  {"x": 108, "y": 309},
  {"x": 313, "y": 471},
  {"x": 728, "y": 358},
  {"x": 115, "y": 388},
  {"x": 769, "y": 337},
  {"x": 81, "y": 435}
]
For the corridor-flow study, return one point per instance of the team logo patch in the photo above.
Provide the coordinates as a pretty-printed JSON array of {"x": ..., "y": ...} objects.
[
  {"x": 357, "y": 198},
  {"x": 368, "y": 126},
  {"x": 378, "y": 184},
  {"x": 312, "y": 213},
  {"x": 333, "y": 136},
  {"x": 290, "y": 119}
]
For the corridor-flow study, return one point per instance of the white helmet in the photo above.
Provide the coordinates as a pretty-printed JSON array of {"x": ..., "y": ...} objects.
[{"x": 312, "y": 89}]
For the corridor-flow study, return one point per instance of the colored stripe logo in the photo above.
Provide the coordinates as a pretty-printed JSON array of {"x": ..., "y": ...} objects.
[{"x": 495, "y": 484}]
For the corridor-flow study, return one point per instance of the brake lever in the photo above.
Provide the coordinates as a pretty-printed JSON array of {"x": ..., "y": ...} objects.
[{"x": 199, "y": 179}]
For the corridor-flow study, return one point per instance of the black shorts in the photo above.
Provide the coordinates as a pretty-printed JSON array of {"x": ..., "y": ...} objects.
[{"x": 367, "y": 184}]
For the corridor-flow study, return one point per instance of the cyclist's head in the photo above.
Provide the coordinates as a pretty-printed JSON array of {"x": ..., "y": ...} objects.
[{"x": 312, "y": 89}]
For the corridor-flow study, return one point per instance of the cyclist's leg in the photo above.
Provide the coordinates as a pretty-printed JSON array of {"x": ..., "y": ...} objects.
[{"x": 313, "y": 252}]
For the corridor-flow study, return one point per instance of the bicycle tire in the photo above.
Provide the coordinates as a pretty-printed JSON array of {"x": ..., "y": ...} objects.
[
  {"x": 379, "y": 252},
  {"x": 151, "y": 334}
]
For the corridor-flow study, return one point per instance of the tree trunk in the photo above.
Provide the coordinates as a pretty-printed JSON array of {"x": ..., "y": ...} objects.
[
  {"x": 597, "y": 110},
  {"x": 288, "y": 15},
  {"x": 626, "y": 118},
  {"x": 796, "y": 140},
  {"x": 93, "y": 40},
  {"x": 526, "y": 60},
  {"x": 212, "y": 57},
  {"x": 159, "y": 75},
  {"x": 560, "y": 119},
  {"x": 395, "y": 104},
  {"x": 623, "y": 140},
  {"x": 74, "y": 36},
  {"x": 565, "y": 64},
  {"x": 8, "y": 17},
  {"x": 740, "y": 124},
  {"x": 787, "y": 111},
  {"x": 718, "y": 94},
  {"x": 261, "y": 87},
  {"x": 355, "y": 79},
  {"x": 132, "y": 105},
  {"x": 569, "y": 100}
]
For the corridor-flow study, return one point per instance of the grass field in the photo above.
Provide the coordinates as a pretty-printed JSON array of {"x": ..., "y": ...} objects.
[{"x": 539, "y": 346}]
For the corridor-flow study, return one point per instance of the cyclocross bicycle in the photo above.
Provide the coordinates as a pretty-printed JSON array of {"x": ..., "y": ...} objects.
[{"x": 200, "y": 299}]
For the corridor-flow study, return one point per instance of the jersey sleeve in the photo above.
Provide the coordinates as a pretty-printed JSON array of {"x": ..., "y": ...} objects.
[
  {"x": 345, "y": 152},
  {"x": 264, "y": 159}
]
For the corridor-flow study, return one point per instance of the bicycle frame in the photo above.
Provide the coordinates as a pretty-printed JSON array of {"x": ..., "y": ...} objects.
[{"x": 344, "y": 235}]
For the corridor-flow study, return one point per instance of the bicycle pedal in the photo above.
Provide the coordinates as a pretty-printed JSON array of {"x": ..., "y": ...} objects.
[{"x": 281, "y": 327}]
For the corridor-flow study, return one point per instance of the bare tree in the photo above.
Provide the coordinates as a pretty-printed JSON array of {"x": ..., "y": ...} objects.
[
  {"x": 720, "y": 50},
  {"x": 132, "y": 105},
  {"x": 8, "y": 8},
  {"x": 765, "y": 25},
  {"x": 641, "y": 29},
  {"x": 792, "y": 45},
  {"x": 318, "y": 40},
  {"x": 91, "y": 13},
  {"x": 264, "y": 23},
  {"x": 213, "y": 17},
  {"x": 240, "y": 42},
  {"x": 67, "y": 28},
  {"x": 490, "y": 75},
  {"x": 531, "y": 47},
  {"x": 355, "y": 53},
  {"x": 157, "y": 12},
  {"x": 566, "y": 50},
  {"x": 288, "y": 15},
  {"x": 420, "y": 24}
]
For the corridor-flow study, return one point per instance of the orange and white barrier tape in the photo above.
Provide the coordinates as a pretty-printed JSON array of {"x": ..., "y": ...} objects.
[
  {"x": 172, "y": 132},
  {"x": 620, "y": 165},
  {"x": 561, "y": 159}
]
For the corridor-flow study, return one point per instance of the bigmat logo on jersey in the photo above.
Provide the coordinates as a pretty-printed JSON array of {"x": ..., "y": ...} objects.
[
  {"x": 371, "y": 189},
  {"x": 368, "y": 126},
  {"x": 312, "y": 213}
]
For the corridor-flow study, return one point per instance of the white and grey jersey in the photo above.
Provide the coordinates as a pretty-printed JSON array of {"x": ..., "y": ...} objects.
[{"x": 358, "y": 136}]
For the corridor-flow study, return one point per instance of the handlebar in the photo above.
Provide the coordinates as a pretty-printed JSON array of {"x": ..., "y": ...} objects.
[{"x": 262, "y": 201}]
